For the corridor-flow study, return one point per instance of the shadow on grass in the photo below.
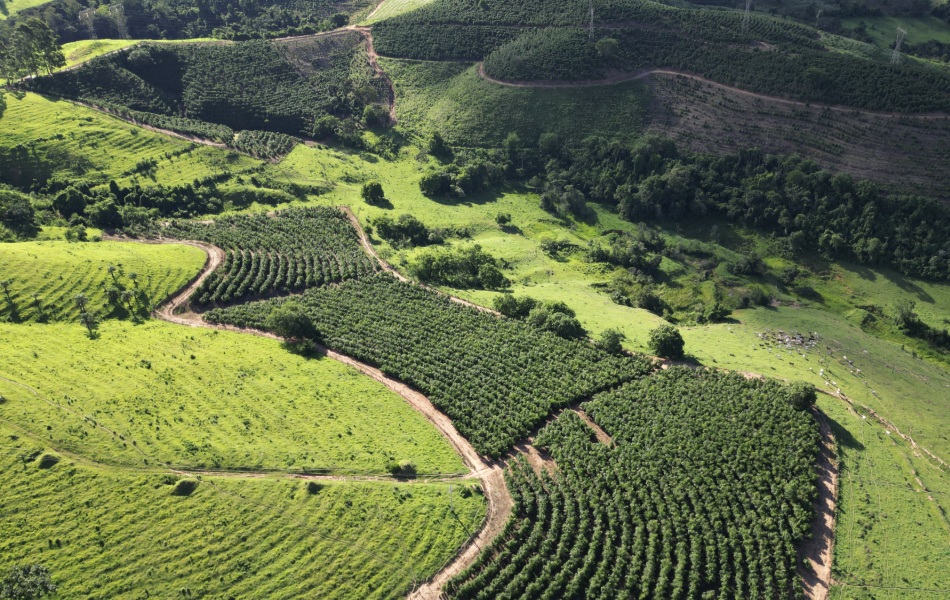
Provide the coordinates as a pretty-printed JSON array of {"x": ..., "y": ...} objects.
[{"x": 843, "y": 435}]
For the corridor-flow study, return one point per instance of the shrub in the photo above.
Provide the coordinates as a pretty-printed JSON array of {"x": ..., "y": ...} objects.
[
  {"x": 491, "y": 277},
  {"x": 559, "y": 323},
  {"x": 801, "y": 395},
  {"x": 26, "y": 582},
  {"x": 503, "y": 218},
  {"x": 48, "y": 460},
  {"x": 185, "y": 487},
  {"x": 516, "y": 308},
  {"x": 610, "y": 341},
  {"x": 667, "y": 342},
  {"x": 313, "y": 487},
  {"x": 372, "y": 192},
  {"x": 289, "y": 321}
]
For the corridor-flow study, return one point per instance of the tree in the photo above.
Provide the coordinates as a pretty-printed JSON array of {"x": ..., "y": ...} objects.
[
  {"x": 373, "y": 192},
  {"x": 36, "y": 299},
  {"x": 89, "y": 320},
  {"x": 5, "y": 286},
  {"x": 33, "y": 46},
  {"x": 491, "y": 277},
  {"x": 133, "y": 276},
  {"x": 667, "y": 342},
  {"x": 112, "y": 293},
  {"x": 905, "y": 313},
  {"x": 503, "y": 218},
  {"x": 81, "y": 301},
  {"x": 801, "y": 395},
  {"x": 290, "y": 321},
  {"x": 610, "y": 341},
  {"x": 26, "y": 582},
  {"x": 434, "y": 183},
  {"x": 111, "y": 270},
  {"x": 436, "y": 145},
  {"x": 606, "y": 47},
  {"x": 516, "y": 308},
  {"x": 127, "y": 297}
]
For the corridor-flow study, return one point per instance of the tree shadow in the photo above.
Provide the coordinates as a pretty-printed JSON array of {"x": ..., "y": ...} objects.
[
  {"x": 512, "y": 229},
  {"x": 843, "y": 435},
  {"x": 385, "y": 204},
  {"x": 907, "y": 286}
]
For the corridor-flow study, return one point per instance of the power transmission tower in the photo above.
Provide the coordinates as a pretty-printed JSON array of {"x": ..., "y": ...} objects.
[
  {"x": 118, "y": 16},
  {"x": 87, "y": 17},
  {"x": 591, "y": 31},
  {"x": 745, "y": 17},
  {"x": 896, "y": 57}
]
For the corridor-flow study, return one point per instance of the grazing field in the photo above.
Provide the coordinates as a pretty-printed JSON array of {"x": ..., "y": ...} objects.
[
  {"x": 11, "y": 7},
  {"x": 469, "y": 111},
  {"x": 892, "y": 529},
  {"x": 116, "y": 533},
  {"x": 42, "y": 138},
  {"x": 391, "y": 8},
  {"x": 56, "y": 271},
  {"x": 207, "y": 399},
  {"x": 84, "y": 50}
]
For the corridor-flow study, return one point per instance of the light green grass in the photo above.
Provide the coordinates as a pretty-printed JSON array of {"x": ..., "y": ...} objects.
[
  {"x": 883, "y": 29},
  {"x": 95, "y": 147},
  {"x": 392, "y": 8},
  {"x": 59, "y": 270},
  {"x": 470, "y": 111},
  {"x": 891, "y": 528},
  {"x": 201, "y": 398},
  {"x": 111, "y": 533},
  {"x": 85, "y": 50},
  {"x": 11, "y": 7}
]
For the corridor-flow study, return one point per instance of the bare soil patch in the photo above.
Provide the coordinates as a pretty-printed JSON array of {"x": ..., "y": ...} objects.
[{"x": 819, "y": 549}]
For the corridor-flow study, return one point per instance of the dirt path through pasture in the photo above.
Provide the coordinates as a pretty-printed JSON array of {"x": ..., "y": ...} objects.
[
  {"x": 489, "y": 472},
  {"x": 819, "y": 549}
]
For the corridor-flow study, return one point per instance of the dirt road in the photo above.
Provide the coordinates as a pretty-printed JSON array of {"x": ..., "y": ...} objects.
[
  {"x": 819, "y": 549},
  {"x": 174, "y": 310}
]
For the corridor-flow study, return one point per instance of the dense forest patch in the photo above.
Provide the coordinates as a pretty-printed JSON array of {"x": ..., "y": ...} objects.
[
  {"x": 703, "y": 493},
  {"x": 256, "y": 85}
]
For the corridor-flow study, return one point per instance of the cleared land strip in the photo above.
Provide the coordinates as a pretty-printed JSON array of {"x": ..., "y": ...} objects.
[{"x": 641, "y": 74}]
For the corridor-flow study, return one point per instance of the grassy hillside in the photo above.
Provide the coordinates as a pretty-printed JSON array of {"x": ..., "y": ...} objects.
[
  {"x": 11, "y": 7},
  {"x": 57, "y": 271},
  {"x": 391, "y": 8},
  {"x": 208, "y": 399},
  {"x": 451, "y": 98},
  {"x": 892, "y": 528},
  {"x": 42, "y": 138},
  {"x": 883, "y": 29},
  {"x": 110, "y": 533}
]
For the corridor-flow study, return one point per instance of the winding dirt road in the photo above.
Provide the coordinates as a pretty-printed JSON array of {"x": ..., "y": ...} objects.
[{"x": 175, "y": 310}]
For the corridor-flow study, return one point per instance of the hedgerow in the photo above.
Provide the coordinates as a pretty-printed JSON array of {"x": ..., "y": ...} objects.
[
  {"x": 295, "y": 249},
  {"x": 495, "y": 378},
  {"x": 264, "y": 144},
  {"x": 703, "y": 493}
]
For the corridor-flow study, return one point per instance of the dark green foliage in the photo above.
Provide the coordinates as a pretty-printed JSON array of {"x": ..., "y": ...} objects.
[
  {"x": 667, "y": 342},
  {"x": 290, "y": 321},
  {"x": 372, "y": 193},
  {"x": 561, "y": 324},
  {"x": 439, "y": 42},
  {"x": 313, "y": 487},
  {"x": 405, "y": 231},
  {"x": 16, "y": 209},
  {"x": 295, "y": 249},
  {"x": 47, "y": 460},
  {"x": 800, "y": 395},
  {"x": 704, "y": 493},
  {"x": 264, "y": 144},
  {"x": 29, "y": 48},
  {"x": 468, "y": 267},
  {"x": 503, "y": 218},
  {"x": 547, "y": 54},
  {"x": 610, "y": 341},
  {"x": 495, "y": 378},
  {"x": 26, "y": 582},
  {"x": 815, "y": 209},
  {"x": 516, "y": 308},
  {"x": 185, "y": 487},
  {"x": 254, "y": 86},
  {"x": 182, "y": 19},
  {"x": 908, "y": 322}
]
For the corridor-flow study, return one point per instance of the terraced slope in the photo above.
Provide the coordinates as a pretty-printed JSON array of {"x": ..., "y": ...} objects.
[{"x": 56, "y": 271}]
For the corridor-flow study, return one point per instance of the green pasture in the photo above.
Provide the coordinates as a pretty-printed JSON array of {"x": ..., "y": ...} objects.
[
  {"x": 43, "y": 137},
  {"x": 119, "y": 533},
  {"x": 84, "y": 50},
  {"x": 56, "y": 271},
  {"x": 207, "y": 399},
  {"x": 392, "y": 8},
  {"x": 891, "y": 529},
  {"x": 883, "y": 29},
  {"x": 11, "y": 7},
  {"x": 469, "y": 111}
]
